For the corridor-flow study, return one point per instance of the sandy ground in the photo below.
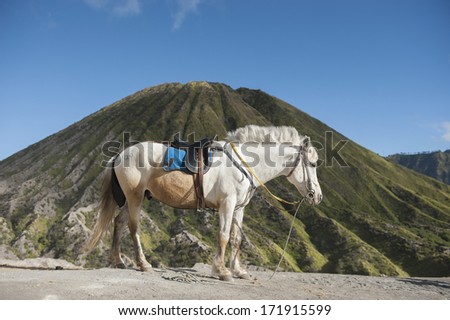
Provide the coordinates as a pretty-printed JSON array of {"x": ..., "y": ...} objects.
[{"x": 196, "y": 283}]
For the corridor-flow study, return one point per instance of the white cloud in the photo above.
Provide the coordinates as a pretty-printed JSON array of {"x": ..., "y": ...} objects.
[
  {"x": 97, "y": 4},
  {"x": 127, "y": 8},
  {"x": 184, "y": 8},
  {"x": 120, "y": 8},
  {"x": 446, "y": 127}
]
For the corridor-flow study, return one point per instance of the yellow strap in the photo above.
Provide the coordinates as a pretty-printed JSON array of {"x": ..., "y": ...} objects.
[{"x": 256, "y": 177}]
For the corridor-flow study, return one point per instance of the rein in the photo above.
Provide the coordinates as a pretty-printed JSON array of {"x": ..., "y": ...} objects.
[
  {"x": 310, "y": 195},
  {"x": 287, "y": 239}
]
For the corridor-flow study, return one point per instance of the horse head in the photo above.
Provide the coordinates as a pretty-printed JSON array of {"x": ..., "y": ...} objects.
[{"x": 304, "y": 173}]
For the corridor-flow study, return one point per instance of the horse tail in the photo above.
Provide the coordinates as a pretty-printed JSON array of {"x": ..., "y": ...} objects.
[{"x": 112, "y": 196}]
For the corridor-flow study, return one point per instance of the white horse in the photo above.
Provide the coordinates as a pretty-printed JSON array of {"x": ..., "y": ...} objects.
[{"x": 228, "y": 186}]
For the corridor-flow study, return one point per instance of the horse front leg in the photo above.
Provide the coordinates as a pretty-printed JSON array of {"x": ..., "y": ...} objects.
[
  {"x": 236, "y": 239},
  {"x": 119, "y": 223},
  {"x": 134, "y": 209},
  {"x": 225, "y": 220}
]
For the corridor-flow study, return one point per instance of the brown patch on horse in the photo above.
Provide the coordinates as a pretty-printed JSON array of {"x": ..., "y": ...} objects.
[{"x": 174, "y": 188}]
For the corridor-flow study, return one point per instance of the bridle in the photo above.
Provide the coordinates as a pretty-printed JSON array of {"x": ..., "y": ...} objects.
[{"x": 302, "y": 153}]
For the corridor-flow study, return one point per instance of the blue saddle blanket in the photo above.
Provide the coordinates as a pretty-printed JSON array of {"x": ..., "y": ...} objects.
[{"x": 175, "y": 159}]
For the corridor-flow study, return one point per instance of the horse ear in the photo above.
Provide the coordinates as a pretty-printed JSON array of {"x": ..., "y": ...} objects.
[{"x": 306, "y": 140}]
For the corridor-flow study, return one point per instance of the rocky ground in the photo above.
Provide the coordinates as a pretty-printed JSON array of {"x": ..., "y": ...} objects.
[{"x": 57, "y": 279}]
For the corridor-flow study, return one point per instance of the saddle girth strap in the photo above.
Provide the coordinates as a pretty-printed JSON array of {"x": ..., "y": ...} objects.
[{"x": 198, "y": 182}]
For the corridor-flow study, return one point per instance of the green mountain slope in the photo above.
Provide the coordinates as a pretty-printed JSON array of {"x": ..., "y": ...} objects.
[
  {"x": 376, "y": 218},
  {"x": 433, "y": 164}
]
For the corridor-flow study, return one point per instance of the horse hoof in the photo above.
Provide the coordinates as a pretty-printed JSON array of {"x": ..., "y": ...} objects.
[
  {"x": 243, "y": 275},
  {"x": 226, "y": 277},
  {"x": 146, "y": 268}
]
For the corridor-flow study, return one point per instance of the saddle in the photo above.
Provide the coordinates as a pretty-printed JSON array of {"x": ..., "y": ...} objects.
[
  {"x": 197, "y": 153},
  {"x": 197, "y": 161}
]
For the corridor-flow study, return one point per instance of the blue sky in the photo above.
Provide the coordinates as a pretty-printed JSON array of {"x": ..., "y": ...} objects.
[{"x": 376, "y": 71}]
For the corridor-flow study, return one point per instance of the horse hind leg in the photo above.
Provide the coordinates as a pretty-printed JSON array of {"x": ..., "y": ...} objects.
[
  {"x": 134, "y": 209},
  {"x": 119, "y": 223}
]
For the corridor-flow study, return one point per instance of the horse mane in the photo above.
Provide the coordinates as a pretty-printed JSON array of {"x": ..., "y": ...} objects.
[{"x": 253, "y": 133}]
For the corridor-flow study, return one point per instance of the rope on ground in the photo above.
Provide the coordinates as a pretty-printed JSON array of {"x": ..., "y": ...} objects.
[
  {"x": 287, "y": 240},
  {"x": 184, "y": 276}
]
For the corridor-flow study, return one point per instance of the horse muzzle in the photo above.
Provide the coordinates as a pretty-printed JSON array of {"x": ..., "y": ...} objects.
[{"x": 313, "y": 198}]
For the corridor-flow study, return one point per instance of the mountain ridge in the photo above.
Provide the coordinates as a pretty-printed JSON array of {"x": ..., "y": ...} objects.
[
  {"x": 435, "y": 164},
  {"x": 376, "y": 218}
]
